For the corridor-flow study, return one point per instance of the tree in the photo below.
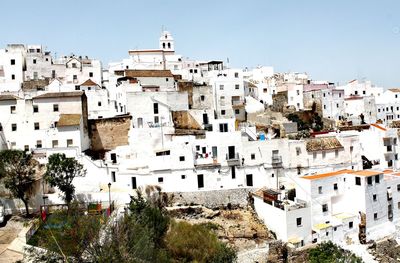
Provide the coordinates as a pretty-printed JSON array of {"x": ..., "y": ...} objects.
[
  {"x": 17, "y": 169},
  {"x": 61, "y": 171},
  {"x": 328, "y": 252}
]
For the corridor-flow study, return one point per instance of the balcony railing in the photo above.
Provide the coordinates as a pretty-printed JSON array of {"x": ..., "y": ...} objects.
[
  {"x": 233, "y": 159},
  {"x": 276, "y": 159}
]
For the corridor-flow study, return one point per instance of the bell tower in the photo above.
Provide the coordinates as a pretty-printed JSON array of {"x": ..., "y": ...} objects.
[{"x": 167, "y": 41}]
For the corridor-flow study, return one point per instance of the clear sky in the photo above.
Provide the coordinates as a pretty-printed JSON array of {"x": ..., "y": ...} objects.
[{"x": 335, "y": 40}]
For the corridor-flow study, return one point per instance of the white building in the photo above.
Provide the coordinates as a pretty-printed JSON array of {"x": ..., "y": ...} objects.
[
  {"x": 50, "y": 120},
  {"x": 337, "y": 206}
]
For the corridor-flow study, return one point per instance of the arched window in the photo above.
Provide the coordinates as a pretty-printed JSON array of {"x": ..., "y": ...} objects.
[
  {"x": 169, "y": 45},
  {"x": 163, "y": 45}
]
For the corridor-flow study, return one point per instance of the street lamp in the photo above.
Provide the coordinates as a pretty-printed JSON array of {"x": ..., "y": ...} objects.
[{"x": 109, "y": 196}]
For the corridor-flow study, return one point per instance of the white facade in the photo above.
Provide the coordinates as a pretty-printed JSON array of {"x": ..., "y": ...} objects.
[{"x": 31, "y": 123}]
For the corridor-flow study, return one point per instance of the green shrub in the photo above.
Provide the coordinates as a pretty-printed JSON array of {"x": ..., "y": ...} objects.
[
  {"x": 196, "y": 243},
  {"x": 327, "y": 252}
]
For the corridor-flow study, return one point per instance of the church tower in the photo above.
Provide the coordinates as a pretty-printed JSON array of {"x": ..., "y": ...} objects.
[{"x": 167, "y": 41}]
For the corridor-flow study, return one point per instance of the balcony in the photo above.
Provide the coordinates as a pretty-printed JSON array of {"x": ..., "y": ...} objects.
[
  {"x": 276, "y": 160},
  {"x": 204, "y": 161},
  {"x": 233, "y": 160},
  {"x": 389, "y": 156}
]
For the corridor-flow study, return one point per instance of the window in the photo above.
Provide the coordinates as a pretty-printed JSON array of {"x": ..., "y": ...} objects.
[
  {"x": 375, "y": 216},
  {"x": 55, "y": 107},
  {"x": 12, "y": 76},
  {"x": 374, "y": 197},
  {"x": 398, "y": 205},
  {"x": 314, "y": 155},
  {"x": 335, "y": 186},
  {"x": 298, "y": 151},
  {"x": 156, "y": 119},
  {"x": 325, "y": 208},
  {"x": 69, "y": 142},
  {"x": 181, "y": 158},
  {"x": 351, "y": 224},
  {"x": 336, "y": 153},
  {"x": 222, "y": 112},
  {"x": 166, "y": 79},
  {"x": 26, "y": 148},
  {"x": 298, "y": 92},
  {"x": 155, "y": 108},
  {"x": 12, "y": 109},
  {"x": 39, "y": 144},
  {"x": 133, "y": 182},
  {"x": 320, "y": 189},
  {"x": 351, "y": 149},
  {"x": 253, "y": 156},
  {"x": 113, "y": 176},
  {"x": 183, "y": 176},
  {"x": 13, "y": 145},
  {"x": 298, "y": 221},
  {"x": 12, "y": 61},
  {"x": 233, "y": 172},
  {"x": 358, "y": 181},
  {"x": 36, "y": 125},
  {"x": 74, "y": 77},
  {"x": 162, "y": 153},
  {"x": 202, "y": 97},
  {"x": 237, "y": 86},
  {"x": 160, "y": 179},
  {"x": 369, "y": 180},
  {"x": 237, "y": 111},
  {"x": 77, "y": 88},
  {"x": 324, "y": 107},
  {"x": 364, "y": 92},
  {"x": 337, "y": 105},
  {"x": 377, "y": 179},
  {"x": 54, "y": 143},
  {"x": 236, "y": 74},
  {"x": 99, "y": 103},
  {"x": 14, "y": 127},
  {"x": 249, "y": 179},
  {"x": 298, "y": 170},
  {"x": 221, "y": 87},
  {"x": 223, "y": 127},
  {"x": 323, "y": 154},
  {"x": 324, "y": 94},
  {"x": 35, "y": 108},
  {"x": 398, "y": 188},
  {"x": 34, "y": 61},
  {"x": 90, "y": 74}
]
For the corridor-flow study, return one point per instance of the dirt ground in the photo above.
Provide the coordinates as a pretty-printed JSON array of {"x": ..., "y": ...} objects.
[
  {"x": 9, "y": 230},
  {"x": 239, "y": 227},
  {"x": 386, "y": 251}
]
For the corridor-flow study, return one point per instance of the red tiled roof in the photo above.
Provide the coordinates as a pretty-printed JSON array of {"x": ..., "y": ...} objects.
[
  {"x": 89, "y": 82},
  {"x": 379, "y": 127},
  {"x": 324, "y": 175}
]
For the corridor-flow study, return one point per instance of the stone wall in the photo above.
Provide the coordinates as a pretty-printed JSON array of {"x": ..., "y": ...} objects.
[
  {"x": 187, "y": 86},
  {"x": 213, "y": 199},
  {"x": 184, "y": 120},
  {"x": 279, "y": 101},
  {"x": 108, "y": 133}
]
